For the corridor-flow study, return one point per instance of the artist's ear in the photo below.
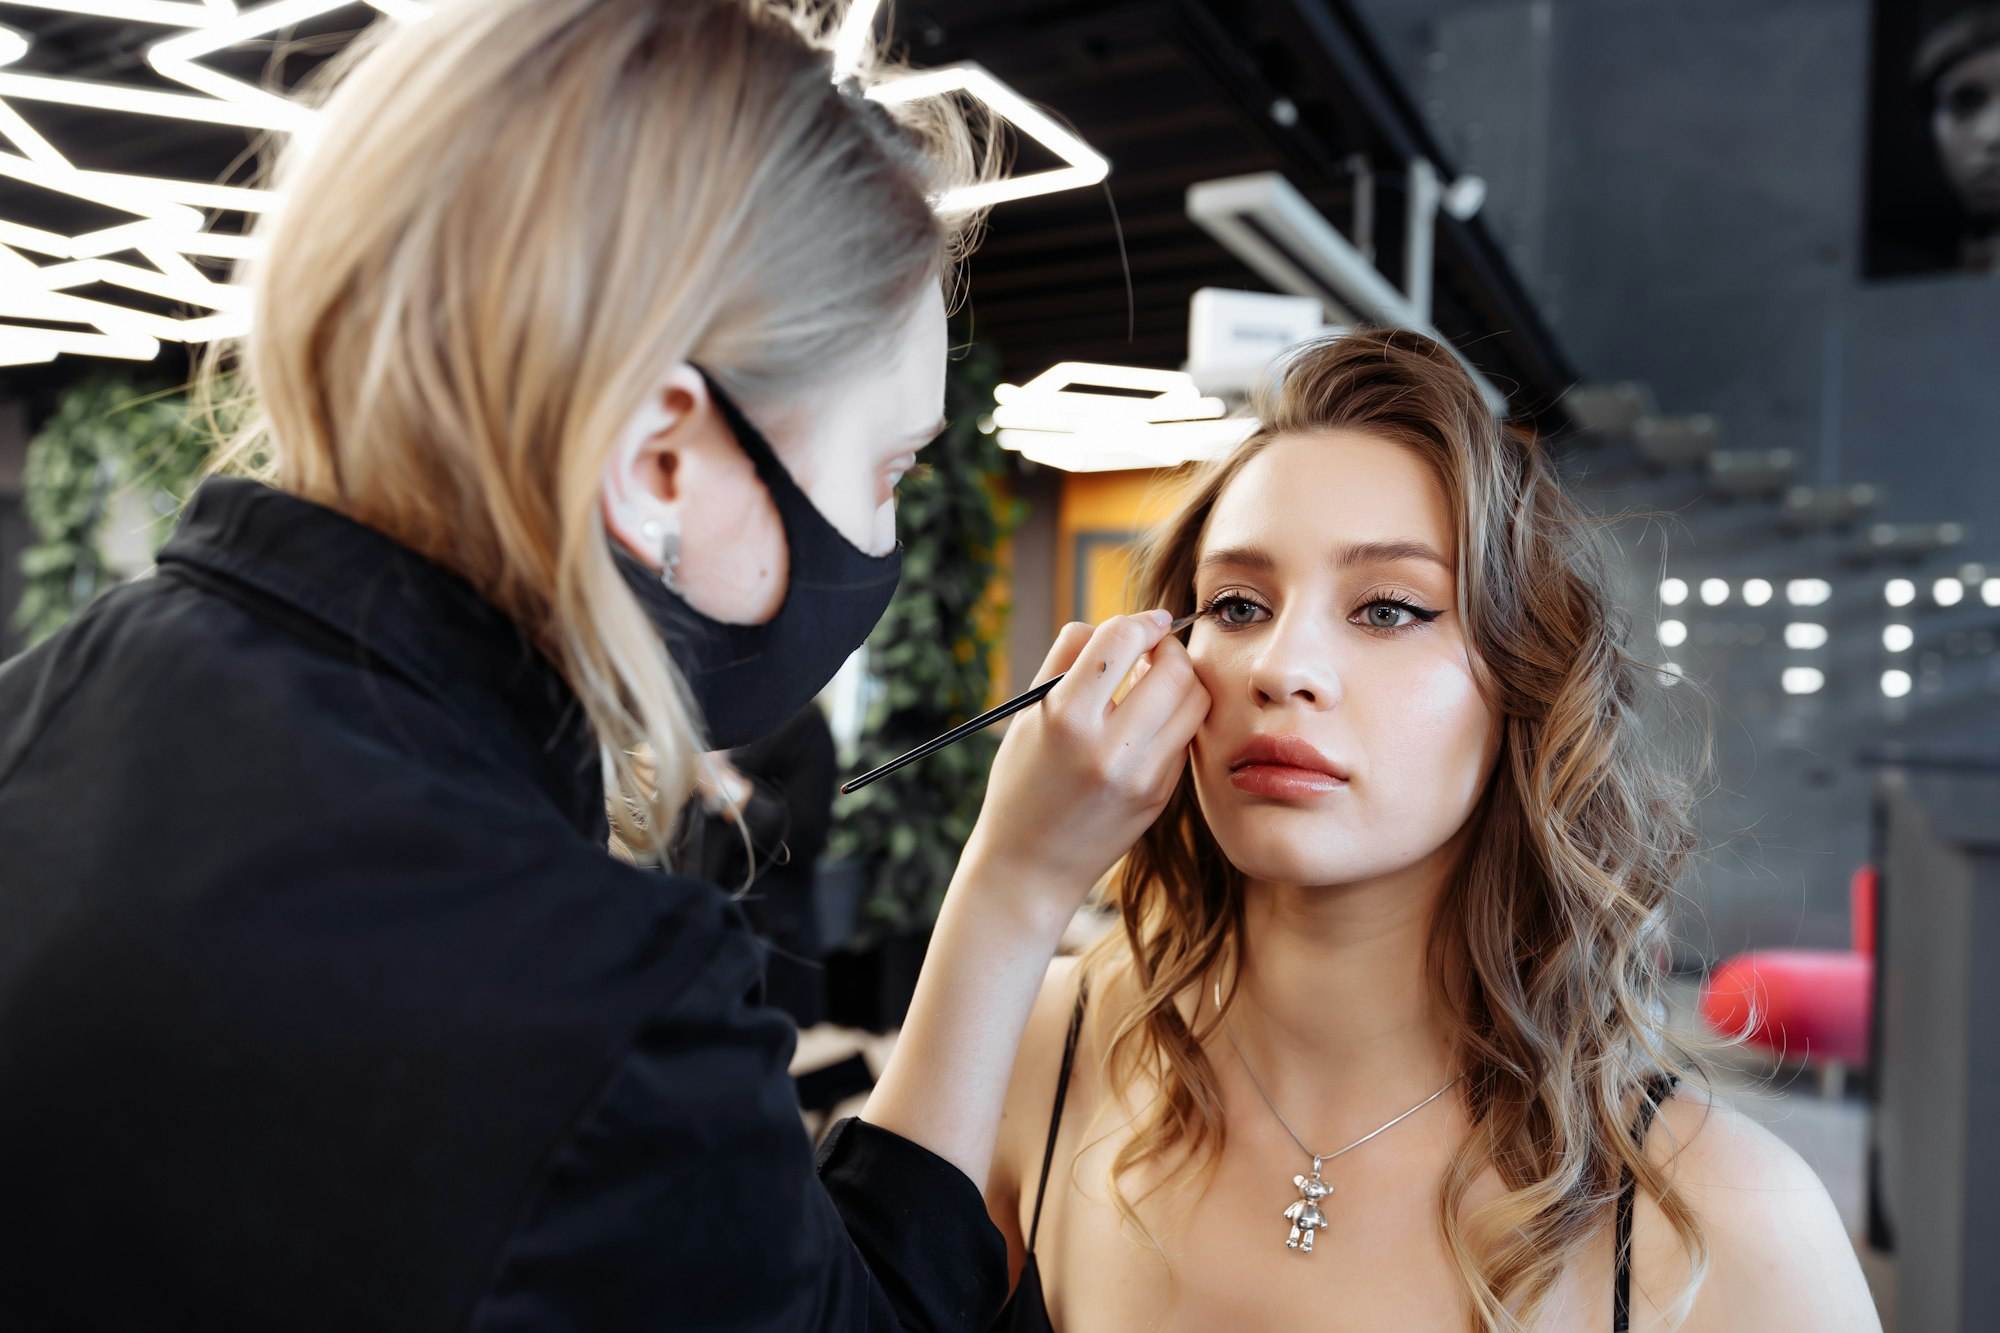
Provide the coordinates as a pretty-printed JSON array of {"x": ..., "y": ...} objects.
[
  {"x": 677, "y": 471},
  {"x": 664, "y": 446}
]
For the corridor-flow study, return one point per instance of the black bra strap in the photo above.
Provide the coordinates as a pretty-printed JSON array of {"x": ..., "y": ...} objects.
[
  {"x": 1658, "y": 1089},
  {"x": 1055, "y": 1115}
]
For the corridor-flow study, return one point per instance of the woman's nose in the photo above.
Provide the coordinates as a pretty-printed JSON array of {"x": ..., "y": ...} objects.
[{"x": 1297, "y": 664}]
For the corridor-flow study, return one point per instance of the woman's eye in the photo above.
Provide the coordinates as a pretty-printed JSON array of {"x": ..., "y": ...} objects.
[
  {"x": 1235, "y": 611},
  {"x": 1388, "y": 614},
  {"x": 1966, "y": 101}
]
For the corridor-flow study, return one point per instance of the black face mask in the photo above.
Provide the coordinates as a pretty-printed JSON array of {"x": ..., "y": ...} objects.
[{"x": 751, "y": 679}]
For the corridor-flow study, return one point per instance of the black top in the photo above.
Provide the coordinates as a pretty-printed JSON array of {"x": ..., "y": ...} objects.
[
  {"x": 323, "y": 1007},
  {"x": 788, "y": 815},
  {"x": 1027, "y": 1309},
  {"x": 792, "y": 775}
]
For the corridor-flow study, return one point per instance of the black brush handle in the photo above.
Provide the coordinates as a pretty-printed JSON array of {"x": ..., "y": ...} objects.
[
  {"x": 984, "y": 720},
  {"x": 957, "y": 733}
]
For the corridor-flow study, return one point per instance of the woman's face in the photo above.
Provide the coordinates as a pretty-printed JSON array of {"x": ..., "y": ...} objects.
[
  {"x": 846, "y": 444},
  {"x": 1346, "y": 739},
  {"x": 1966, "y": 124}
]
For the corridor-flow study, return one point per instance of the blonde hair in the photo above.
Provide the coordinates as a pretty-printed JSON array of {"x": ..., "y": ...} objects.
[
  {"x": 1555, "y": 919},
  {"x": 510, "y": 219}
]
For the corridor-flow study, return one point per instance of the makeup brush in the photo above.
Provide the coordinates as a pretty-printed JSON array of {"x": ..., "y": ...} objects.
[{"x": 984, "y": 720}]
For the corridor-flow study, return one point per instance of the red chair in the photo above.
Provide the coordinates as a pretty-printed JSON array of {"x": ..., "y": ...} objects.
[{"x": 1803, "y": 1005}]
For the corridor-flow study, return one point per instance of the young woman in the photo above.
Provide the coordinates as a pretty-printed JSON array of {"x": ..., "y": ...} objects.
[
  {"x": 589, "y": 344},
  {"x": 1380, "y": 1043},
  {"x": 1958, "y": 74}
]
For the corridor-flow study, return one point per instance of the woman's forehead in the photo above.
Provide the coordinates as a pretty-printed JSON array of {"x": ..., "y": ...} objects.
[{"x": 1326, "y": 489}]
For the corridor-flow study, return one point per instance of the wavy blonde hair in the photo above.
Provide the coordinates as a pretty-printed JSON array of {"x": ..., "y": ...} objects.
[
  {"x": 1554, "y": 922},
  {"x": 510, "y": 218}
]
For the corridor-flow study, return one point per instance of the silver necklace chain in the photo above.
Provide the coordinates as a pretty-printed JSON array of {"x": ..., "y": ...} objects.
[{"x": 1317, "y": 1157}]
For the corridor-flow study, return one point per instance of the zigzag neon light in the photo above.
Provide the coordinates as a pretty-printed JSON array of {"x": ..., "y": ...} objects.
[{"x": 165, "y": 223}]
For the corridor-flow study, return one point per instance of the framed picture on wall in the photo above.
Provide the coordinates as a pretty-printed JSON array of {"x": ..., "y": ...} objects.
[
  {"x": 1101, "y": 565},
  {"x": 1933, "y": 193}
]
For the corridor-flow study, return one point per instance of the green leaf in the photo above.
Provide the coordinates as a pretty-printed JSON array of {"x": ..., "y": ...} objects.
[{"x": 105, "y": 433}]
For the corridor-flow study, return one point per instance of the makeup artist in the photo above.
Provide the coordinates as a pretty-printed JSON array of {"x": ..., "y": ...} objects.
[{"x": 588, "y": 345}]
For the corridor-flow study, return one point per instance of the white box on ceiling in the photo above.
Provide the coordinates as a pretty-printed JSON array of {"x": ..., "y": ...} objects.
[{"x": 1233, "y": 336}]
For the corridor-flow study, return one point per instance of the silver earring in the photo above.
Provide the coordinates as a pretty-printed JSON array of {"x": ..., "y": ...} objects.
[{"x": 666, "y": 537}]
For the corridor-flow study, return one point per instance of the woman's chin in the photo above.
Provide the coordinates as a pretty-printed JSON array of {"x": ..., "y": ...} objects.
[
  {"x": 1279, "y": 844},
  {"x": 1264, "y": 859}
]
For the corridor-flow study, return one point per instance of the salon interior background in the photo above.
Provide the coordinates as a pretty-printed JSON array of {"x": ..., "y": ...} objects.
[{"x": 1674, "y": 199}]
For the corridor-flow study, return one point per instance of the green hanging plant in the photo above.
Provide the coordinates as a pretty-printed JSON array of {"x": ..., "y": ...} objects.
[
  {"x": 930, "y": 660},
  {"x": 106, "y": 435}
]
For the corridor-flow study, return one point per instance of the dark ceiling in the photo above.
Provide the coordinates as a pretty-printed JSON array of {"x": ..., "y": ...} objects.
[
  {"x": 1172, "y": 91},
  {"x": 1180, "y": 91},
  {"x": 1049, "y": 283}
]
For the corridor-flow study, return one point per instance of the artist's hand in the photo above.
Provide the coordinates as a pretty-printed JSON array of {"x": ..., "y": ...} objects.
[{"x": 1079, "y": 777}]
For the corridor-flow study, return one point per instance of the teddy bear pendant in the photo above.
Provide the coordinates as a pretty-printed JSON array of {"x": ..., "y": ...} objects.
[{"x": 1304, "y": 1213}]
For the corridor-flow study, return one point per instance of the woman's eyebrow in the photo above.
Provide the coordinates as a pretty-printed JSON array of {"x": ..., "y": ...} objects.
[
  {"x": 1237, "y": 557},
  {"x": 1389, "y": 552},
  {"x": 1346, "y": 556}
]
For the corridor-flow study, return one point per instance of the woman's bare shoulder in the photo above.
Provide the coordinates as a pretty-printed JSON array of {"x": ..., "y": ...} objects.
[
  {"x": 1778, "y": 1256},
  {"x": 1105, "y": 982}
]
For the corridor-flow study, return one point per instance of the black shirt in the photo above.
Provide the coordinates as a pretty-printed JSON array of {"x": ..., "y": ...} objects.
[
  {"x": 322, "y": 1006},
  {"x": 792, "y": 775}
]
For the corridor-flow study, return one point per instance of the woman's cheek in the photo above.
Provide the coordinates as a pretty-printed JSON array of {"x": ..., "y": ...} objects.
[
  {"x": 1219, "y": 678},
  {"x": 1441, "y": 728}
]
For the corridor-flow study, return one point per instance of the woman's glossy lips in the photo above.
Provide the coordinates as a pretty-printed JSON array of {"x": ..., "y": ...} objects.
[
  {"x": 1284, "y": 768},
  {"x": 1283, "y": 782}
]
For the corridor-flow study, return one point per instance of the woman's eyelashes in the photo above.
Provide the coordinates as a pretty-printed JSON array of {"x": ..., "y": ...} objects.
[
  {"x": 1381, "y": 612},
  {"x": 1222, "y": 607},
  {"x": 1394, "y": 612}
]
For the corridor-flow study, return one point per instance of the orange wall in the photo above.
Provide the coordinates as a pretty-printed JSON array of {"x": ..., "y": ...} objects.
[
  {"x": 1100, "y": 515},
  {"x": 997, "y": 605}
]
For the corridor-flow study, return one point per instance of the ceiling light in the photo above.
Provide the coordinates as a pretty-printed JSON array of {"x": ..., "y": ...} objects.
[
  {"x": 1673, "y": 591},
  {"x": 1899, "y": 592},
  {"x": 1895, "y": 684},
  {"x": 1805, "y": 636},
  {"x": 1673, "y": 633},
  {"x": 1084, "y": 165},
  {"x": 172, "y": 13},
  {"x": 1464, "y": 197},
  {"x": 1802, "y": 680},
  {"x": 1084, "y": 417},
  {"x": 163, "y": 224},
  {"x": 1808, "y": 592},
  {"x": 1277, "y": 232},
  {"x": 1948, "y": 592},
  {"x": 1756, "y": 592},
  {"x": 1898, "y": 638},
  {"x": 1714, "y": 592},
  {"x": 856, "y": 27}
]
